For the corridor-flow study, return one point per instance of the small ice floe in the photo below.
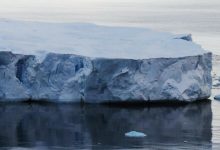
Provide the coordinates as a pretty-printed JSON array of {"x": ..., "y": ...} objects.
[
  {"x": 217, "y": 97},
  {"x": 135, "y": 134}
]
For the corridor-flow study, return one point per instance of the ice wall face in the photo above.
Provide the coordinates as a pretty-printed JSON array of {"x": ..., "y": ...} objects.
[
  {"x": 60, "y": 77},
  {"x": 10, "y": 86},
  {"x": 182, "y": 79},
  {"x": 73, "y": 78}
]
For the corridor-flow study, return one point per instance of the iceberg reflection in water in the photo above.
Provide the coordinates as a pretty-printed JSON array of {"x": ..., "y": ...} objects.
[{"x": 58, "y": 126}]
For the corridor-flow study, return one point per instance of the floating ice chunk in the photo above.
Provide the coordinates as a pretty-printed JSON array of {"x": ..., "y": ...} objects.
[
  {"x": 217, "y": 97},
  {"x": 135, "y": 134}
]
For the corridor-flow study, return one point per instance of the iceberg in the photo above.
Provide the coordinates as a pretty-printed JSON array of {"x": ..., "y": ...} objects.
[{"x": 80, "y": 62}]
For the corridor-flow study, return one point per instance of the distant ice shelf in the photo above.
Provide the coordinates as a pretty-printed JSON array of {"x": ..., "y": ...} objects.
[{"x": 80, "y": 62}]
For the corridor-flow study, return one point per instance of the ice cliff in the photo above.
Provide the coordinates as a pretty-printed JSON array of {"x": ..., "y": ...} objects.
[{"x": 95, "y": 64}]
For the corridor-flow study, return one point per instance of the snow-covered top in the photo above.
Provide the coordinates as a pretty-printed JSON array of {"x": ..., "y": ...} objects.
[{"x": 93, "y": 40}]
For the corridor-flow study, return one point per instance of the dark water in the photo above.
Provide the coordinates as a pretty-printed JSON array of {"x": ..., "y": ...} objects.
[{"x": 71, "y": 126}]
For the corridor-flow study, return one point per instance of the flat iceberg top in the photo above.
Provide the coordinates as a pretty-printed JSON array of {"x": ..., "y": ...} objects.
[{"x": 93, "y": 40}]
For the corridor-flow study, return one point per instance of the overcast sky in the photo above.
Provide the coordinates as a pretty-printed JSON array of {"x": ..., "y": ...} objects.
[{"x": 12, "y": 5}]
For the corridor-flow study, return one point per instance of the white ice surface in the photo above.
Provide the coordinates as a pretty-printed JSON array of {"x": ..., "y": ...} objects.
[
  {"x": 92, "y": 40},
  {"x": 135, "y": 134}
]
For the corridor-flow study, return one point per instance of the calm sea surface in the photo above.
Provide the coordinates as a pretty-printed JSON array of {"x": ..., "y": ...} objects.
[
  {"x": 52, "y": 126},
  {"x": 67, "y": 126}
]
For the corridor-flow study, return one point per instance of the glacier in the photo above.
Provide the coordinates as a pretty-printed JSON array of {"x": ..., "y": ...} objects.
[{"x": 79, "y": 62}]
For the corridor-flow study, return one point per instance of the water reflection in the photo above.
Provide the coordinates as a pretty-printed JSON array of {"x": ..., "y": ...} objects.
[{"x": 52, "y": 126}]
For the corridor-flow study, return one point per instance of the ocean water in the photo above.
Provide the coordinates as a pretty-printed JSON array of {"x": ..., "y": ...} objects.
[
  {"x": 201, "y": 18},
  {"x": 45, "y": 126},
  {"x": 68, "y": 126}
]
